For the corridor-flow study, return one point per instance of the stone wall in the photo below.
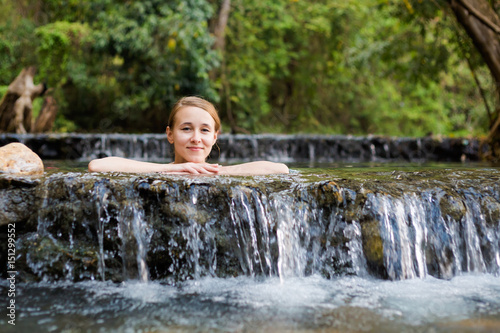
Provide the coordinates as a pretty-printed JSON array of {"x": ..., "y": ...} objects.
[{"x": 284, "y": 148}]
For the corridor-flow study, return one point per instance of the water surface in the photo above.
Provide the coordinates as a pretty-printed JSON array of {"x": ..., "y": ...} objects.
[{"x": 462, "y": 304}]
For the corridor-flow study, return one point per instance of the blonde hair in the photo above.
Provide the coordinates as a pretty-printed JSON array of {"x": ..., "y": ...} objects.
[{"x": 196, "y": 102}]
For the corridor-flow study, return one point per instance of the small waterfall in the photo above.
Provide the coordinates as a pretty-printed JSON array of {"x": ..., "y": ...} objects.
[
  {"x": 191, "y": 234},
  {"x": 251, "y": 230},
  {"x": 473, "y": 254},
  {"x": 41, "y": 234},
  {"x": 312, "y": 151},
  {"x": 482, "y": 235},
  {"x": 135, "y": 235},
  {"x": 403, "y": 231},
  {"x": 293, "y": 237},
  {"x": 199, "y": 238},
  {"x": 418, "y": 236},
  {"x": 418, "y": 226},
  {"x": 101, "y": 193},
  {"x": 183, "y": 244},
  {"x": 117, "y": 227},
  {"x": 132, "y": 232},
  {"x": 373, "y": 152},
  {"x": 353, "y": 233},
  {"x": 73, "y": 231}
]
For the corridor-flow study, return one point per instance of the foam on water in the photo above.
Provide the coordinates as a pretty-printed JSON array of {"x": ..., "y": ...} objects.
[
  {"x": 243, "y": 303},
  {"x": 430, "y": 300}
]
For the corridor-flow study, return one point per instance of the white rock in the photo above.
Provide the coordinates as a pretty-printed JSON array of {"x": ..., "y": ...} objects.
[{"x": 17, "y": 158}]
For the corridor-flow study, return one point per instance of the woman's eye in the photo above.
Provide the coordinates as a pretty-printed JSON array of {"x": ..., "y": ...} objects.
[
  {"x": 185, "y": 129},
  {"x": 205, "y": 130}
]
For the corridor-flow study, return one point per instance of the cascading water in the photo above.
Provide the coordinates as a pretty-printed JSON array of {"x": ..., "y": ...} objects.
[
  {"x": 190, "y": 228},
  {"x": 419, "y": 224},
  {"x": 134, "y": 232},
  {"x": 300, "y": 251},
  {"x": 101, "y": 201},
  {"x": 251, "y": 230},
  {"x": 292, "y": 227}
]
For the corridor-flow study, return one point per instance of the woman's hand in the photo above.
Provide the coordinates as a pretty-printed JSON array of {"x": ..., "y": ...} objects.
[
  {"x": 192, "y": 168},
  {"x": 119, "y": 164}
]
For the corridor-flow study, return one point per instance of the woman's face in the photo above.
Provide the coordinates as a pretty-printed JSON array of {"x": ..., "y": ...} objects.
[{"x": 193, "y": 135}]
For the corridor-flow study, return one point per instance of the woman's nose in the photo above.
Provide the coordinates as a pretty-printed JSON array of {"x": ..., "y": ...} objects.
[{"x": 196, "y": 137}]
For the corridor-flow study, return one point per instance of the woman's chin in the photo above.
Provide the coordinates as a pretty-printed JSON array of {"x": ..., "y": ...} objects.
[
  {"x": 192, "y": 158},
  {"x": 196, "y": 159}
]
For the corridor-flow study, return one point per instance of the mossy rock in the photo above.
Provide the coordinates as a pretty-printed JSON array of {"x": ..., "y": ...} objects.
[{"x": 373, "y": 247}]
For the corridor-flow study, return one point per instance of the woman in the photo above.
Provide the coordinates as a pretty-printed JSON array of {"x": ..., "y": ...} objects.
[{"x": 192, "y": 128}]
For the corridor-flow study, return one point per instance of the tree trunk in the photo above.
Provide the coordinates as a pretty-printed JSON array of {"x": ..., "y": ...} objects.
[
  {"x": 482, "y": 24},
  {"x": 219, "y": 32},
  {"x": 47, "y": 116},
  {"x": 16, "y": 106},
  {"x": 220, "y": 28}
]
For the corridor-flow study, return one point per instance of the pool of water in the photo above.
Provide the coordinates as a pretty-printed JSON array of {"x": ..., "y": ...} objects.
[
  {"x": 467, "y": 303},
  {"x": 52, "y": 166}
]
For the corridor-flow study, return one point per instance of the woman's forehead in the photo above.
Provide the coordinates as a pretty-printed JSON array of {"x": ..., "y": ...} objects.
[{"x": 194, "y": 115}]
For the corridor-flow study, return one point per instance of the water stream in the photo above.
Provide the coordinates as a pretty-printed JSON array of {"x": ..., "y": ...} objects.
[{"x": 386, "y": 248}]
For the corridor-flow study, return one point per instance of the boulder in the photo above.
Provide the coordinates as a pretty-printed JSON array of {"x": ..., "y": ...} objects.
[{"x": 17, "y": 158}]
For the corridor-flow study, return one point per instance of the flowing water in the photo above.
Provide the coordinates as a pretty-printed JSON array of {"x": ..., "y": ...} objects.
[
  {"x": 385, "y": 248},
  {"x": 313, "y": 303}
]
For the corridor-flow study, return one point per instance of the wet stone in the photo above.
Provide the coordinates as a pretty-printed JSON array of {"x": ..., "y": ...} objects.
[
  {"x": 17, "y": 158},
  {"x": 452, "y": 208}
]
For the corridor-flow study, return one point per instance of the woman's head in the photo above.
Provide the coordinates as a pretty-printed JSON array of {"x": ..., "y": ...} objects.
[
  {"x": 192, "y": 128},
  {"x": 196, "y": 102}
]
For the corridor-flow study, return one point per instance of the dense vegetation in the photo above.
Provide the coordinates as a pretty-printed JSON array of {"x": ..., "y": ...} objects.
[{"x": 400, "y": 68}]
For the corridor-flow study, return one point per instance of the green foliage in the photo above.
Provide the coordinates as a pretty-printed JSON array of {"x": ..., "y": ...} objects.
[
  {"x": 268, "y": 46},
  {"x": 58, "y": 43},
  {"x": 145, "y": 56},
  {"x": 344, "y": 67},
  {"x": 16, "y": 51},
  {"x": 349, "y": 68},
  {"x": 3, "y": 91},
  {"x": 114, "y": 65}
]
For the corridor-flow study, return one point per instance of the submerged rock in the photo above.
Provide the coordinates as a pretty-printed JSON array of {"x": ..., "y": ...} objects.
[{"x": 19, "y": 159}]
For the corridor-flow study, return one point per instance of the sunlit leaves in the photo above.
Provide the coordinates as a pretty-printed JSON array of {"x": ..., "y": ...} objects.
[{"x": 58, "y": 42}]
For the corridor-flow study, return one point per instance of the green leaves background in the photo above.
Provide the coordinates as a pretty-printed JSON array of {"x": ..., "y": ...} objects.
[{"x": 289, "y": 66}]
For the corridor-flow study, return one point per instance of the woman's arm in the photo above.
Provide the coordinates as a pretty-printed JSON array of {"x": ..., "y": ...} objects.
[
  {"x": 254, "y": 168},
  {"x": 119, "y": 164}
]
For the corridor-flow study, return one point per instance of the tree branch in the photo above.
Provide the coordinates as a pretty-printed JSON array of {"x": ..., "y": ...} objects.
[{"x": 480, "y": 16}]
